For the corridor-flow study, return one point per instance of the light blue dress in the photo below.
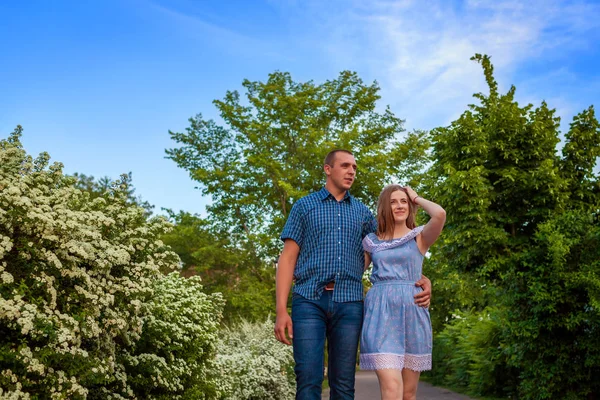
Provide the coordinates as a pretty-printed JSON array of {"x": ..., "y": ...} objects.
[{"x": 396, "y": 333}]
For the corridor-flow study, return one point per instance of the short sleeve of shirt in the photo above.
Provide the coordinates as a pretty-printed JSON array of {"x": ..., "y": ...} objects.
[
  {"x": 369, "y": 224},
  {"x": 294, "y": 227}
]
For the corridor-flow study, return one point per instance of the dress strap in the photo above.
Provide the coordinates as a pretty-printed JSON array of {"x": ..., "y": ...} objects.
[{"x": 372, "y": 244}]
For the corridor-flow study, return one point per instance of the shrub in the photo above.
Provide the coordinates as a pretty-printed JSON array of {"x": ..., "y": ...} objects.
[
  {"x": 74, "y": 276},
  {"x": 554, "y": 325},
  {"x": 469, "y": 353},
  {"x": 253, "y": 365},
  {"x": 172, "y": 359}
]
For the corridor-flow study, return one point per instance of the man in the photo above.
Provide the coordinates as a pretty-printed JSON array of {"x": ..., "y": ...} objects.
[{"x": 323, "y": 252}]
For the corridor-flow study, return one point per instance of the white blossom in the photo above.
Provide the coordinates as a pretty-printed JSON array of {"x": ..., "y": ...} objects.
[
  {"x": 71, "y": 280},
  {"x": 83, "y": 302},
  {"x": 253, "y": 365}
]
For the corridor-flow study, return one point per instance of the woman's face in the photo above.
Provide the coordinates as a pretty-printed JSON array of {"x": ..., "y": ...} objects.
[{"x": 399, "y": 205}]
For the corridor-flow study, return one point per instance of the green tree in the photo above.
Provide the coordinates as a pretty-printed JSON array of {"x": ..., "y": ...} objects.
[
  {"x": 496, "y": 173},
  {"x": 522, "y": 228},
  {"x": 555, "y": 292},
  {"x": 105, "y": 186},
  {"x": 268, "y": 154},
  {"x": 554, "y": 302},
  {"x": 270, "y": 151},
  {"x": 580, "y": 155},
  {"x": 208, "y": 252}
]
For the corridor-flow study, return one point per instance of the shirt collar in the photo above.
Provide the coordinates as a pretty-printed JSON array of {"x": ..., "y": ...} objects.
[{"x": 324, "y": 194}]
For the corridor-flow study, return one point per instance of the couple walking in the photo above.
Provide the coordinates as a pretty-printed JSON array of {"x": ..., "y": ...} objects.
[{"x": 330, "y": 238}]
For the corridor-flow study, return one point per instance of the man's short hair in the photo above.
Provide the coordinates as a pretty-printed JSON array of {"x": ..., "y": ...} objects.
[{"x": 330, "y": 158}]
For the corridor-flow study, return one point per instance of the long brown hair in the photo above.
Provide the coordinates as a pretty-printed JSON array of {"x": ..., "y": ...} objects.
[{"x": 385, "y": 215}]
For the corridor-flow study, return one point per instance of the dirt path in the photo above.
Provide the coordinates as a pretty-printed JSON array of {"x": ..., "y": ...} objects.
[{"x": 367, "y": 388}]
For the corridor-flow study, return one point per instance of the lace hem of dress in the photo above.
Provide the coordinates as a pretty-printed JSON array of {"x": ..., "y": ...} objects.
[
  {"x": 414, "y": 362},
  {"x": 373, "y": 247}
]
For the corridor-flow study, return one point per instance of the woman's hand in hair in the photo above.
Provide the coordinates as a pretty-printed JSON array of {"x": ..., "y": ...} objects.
[{"x": 411, "y": 193}]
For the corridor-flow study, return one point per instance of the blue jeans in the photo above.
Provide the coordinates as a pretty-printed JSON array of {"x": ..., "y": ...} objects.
[{"x": 313, "y": 321}]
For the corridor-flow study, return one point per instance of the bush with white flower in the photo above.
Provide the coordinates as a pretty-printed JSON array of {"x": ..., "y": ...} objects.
[
  {"x": 85, "y": 312},
  {"x": 173, "y": 358},
  {"x": 75, "y": 274},
  {"x": 253, "y": 365}
]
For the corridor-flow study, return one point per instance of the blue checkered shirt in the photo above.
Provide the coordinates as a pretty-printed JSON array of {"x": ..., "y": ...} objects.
[{"x": 329, "y": 234}]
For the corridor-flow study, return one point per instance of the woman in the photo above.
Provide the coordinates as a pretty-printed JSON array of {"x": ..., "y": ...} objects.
[{"x": 396, "y": 335}]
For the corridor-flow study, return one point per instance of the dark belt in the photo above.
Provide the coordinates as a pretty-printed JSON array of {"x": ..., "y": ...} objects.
[{"x": 330, "y": 286}]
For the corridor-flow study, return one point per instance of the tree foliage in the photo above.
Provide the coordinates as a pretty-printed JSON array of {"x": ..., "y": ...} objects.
[
  {"x": 271, "y": 149},
  {"x": 517, "y": 262},
  {"x": 267, "y": 154},
  {"x": 523, "y": 228},
  {"x": 496, "y": 172},
  {"x": 105, "y": 187},
  {"x": 247, "y": 285}
]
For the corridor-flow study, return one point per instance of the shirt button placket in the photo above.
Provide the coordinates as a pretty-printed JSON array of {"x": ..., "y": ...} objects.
[{"x": 339, "y": 247}]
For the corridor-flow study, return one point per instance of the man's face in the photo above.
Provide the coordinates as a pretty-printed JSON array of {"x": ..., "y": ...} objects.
[{"x": 343, "y": 171}]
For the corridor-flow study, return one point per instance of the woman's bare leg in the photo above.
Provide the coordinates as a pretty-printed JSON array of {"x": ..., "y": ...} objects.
[
  {"x": 411, "y": 381},
  {"x": 390, "y": 383}
]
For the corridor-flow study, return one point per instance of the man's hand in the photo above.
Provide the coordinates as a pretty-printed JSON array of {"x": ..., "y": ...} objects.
[
  {"x": 283, "y": 322},
  {"x": 423, "y": 298},
  {"x": 283, "y": 284}
]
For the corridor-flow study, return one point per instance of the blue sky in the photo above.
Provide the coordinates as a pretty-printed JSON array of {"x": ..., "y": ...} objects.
[{"x": 98, "y": 84}]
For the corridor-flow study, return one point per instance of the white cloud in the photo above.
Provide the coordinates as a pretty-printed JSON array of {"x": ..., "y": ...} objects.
[{"x": 420, "y": 51}]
